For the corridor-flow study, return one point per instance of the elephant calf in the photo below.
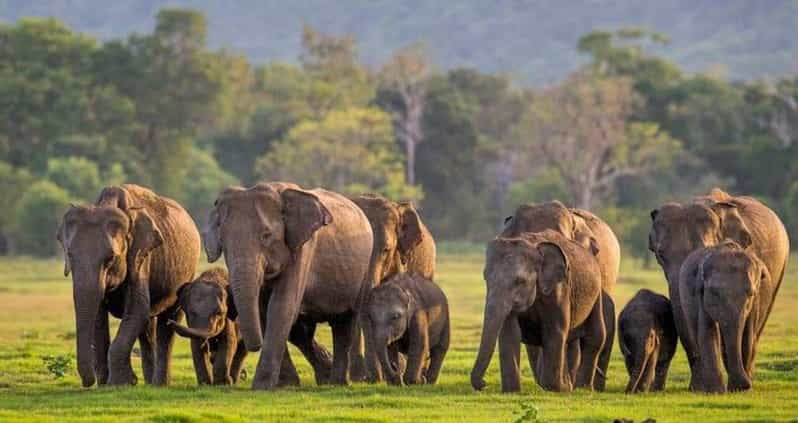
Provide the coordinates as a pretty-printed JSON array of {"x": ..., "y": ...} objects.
[
  {"x": 211, "y": 313},
  {"x": 408, "y": 314},
  {"x": 647, "y": 340},
  {"x": 726, "y": 292}
]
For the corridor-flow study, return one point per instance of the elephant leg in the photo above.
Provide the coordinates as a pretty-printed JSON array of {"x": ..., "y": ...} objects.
[
  {"x": 373, "y": 365},
  {"x": 590, "y": 347},
  {"x": 533, "y": 356},
  {"x": 281, "y": 313},
  {"x": 225, "y": 350},
  {"x": 288, "y": 374},
  {"x": 553, "y": 375},
  {"x": 302, "y": 336},
  {"x": 343, "y": 334},
  {"x": 134, "y": 322},
  {"x": 573, "y": 355},
  {"x": 417, "y": 351},
  {"x": 510, "y": 354},
  {"x": 661, "y": 375},
  {"x": 238, "y": 361},
  {"x": 102, "y": 339},
  {"x": 147, "y": 351},
  {"x": 165, "y": 339},
  {"x": 710, "y": 344},
  {"x": 436, "y": 355},
  {"x": 358, "y": 370},
  {"x": 600, "y": 381},
  {"x": 201, "y": 357}
]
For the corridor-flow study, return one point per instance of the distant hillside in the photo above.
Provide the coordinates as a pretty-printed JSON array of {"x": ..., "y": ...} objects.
[{"x": 534, "y": 40}]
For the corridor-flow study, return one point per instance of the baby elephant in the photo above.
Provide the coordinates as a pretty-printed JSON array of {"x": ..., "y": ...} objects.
[
  {"x": 408, "y": 314},
  {"x": 648, "y": 341},
  {"x": 211, "y": 313},
  {"x": 726, "y": 292}
]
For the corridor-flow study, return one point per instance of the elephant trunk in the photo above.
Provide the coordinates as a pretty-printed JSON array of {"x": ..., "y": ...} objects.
[
  {"x": 732, "y": 332},
  {"x": 87, "y": 292},
  {"x": 193, "y": 333},
  {"x": 245, "y": 281},
  {"x": 388, "y": 368},
  {"x": 496, "y": 312}
]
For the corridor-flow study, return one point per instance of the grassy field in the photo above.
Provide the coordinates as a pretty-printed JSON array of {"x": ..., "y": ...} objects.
[{"x": 36, "y": 320}]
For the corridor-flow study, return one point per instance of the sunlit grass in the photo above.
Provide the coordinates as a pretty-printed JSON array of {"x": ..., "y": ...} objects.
[{"x": 36, "y": 320}]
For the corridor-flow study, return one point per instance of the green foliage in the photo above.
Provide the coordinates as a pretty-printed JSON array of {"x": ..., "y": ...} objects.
[
  {"x": 77, "y": 175},
  {"x": 350, "y": 151},
  {"x": 13, "y": 184},
  {"x": 58, "y": 365},
  {"x": 545, "y": 186},
  {"x": 38, "y": 214},
  {"x": 203, "y": 182}
]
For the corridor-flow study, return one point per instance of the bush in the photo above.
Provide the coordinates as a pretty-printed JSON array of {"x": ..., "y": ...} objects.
[
  {"x": 37, "y": 217},
  {"x": 79, "y": 176},
  {"x": 203, "y": 182},
  {"x": 58, "y": 365}
]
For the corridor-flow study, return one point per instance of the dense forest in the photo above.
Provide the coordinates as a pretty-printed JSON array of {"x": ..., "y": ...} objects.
[
  {"x": 623, "y": 133},
  {"x": 532, "y": 40}
]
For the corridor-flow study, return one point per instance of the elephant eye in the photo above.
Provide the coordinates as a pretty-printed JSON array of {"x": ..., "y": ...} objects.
[{"x": 395, "y": 315}]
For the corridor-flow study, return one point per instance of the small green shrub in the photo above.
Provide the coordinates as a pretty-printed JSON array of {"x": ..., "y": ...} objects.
[{"x": 58, "y": 365}]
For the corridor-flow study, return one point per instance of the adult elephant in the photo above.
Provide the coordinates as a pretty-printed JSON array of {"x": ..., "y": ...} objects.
[
  {"x": 677, "y": 230},
  {"x": 128, "y": 255},
  {"x": 295, "y": 256},
  {"x": 591, "y": 232},
  {"x": 402, "y": 243},
  {"x": 545, "y": 290}
]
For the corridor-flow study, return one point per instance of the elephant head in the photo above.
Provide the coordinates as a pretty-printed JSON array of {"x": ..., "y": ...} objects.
[
  {"x": 532, "y": 218},
  {"x": 677, "y": 230},
  {"x": 260, "y": 231},
  {"x": 730, "y": 278},
  {"x": 103, "y": 245},
  {"x": 388, "y": 312},
  {"x": 207, "y": 303},
  {"x": 517, "y": 272},
  {"x": 397, "y": 230}
]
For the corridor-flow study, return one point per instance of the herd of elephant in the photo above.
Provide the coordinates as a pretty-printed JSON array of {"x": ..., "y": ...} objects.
[{"x": 365, "y": 265}]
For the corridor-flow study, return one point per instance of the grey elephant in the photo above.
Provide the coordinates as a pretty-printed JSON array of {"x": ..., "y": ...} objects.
[
  {"x": 544, "y": 290},
  {"x": 402, "y": 243},
  {"x": 726, "y": 292},
  {"x": 128, "y": 253},
  {"x": 216, "y": 346},
  {"x": 591, "y": 232},
  {"x": 296, "y": 257},
  {"x": 678, "y": 229},
  {"x": 647, "y": 338},
  {"x": 410, "y": 313}
]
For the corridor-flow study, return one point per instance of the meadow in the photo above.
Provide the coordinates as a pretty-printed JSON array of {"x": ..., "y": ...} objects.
[{"x": 37, "y": 322}]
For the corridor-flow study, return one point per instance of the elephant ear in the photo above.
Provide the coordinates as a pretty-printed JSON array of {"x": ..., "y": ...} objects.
[
  {"x": 145, "y": 235},
  {"x": 211, "y": 236},
  {"x": 232, "y": 311},
  {"x": 410, "y": 232},
  {"x": 182, "y": 292},
  {"x": 652, "y": 234},
  {"x": 303, "y": 214},
  {"x": 554, "y": 268},
  {"x": 61, "y": 240},
  {"x": 732, "y": 225}
]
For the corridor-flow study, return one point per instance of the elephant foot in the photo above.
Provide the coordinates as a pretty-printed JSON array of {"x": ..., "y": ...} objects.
[
  {"x": 123, "y": 377},
  {"x": 478, "y": 383}
]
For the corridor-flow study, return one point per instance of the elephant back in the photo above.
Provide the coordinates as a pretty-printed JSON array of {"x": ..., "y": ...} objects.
[{"x": 609, "y": 254}]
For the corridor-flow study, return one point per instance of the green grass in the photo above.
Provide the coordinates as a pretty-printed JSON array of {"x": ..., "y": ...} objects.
[{"x": 36, "y": 320}]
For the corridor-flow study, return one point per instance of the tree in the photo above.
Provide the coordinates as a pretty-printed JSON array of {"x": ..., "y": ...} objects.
[
  {"x": 580, "y": 129},
  {"x": 77, "y": 175},
  {"x": 14, "y": 182},
  {"x": 406, "y": 74},
  {"x": 38, "y": 214},
  {"x": 350, "y": 151},
  {"x": 175, "y": 85},
  {"x": 203, "y": 182}
]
